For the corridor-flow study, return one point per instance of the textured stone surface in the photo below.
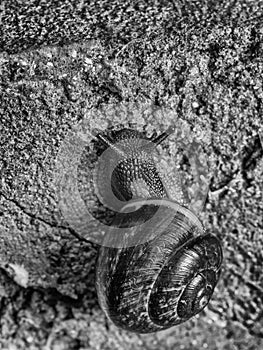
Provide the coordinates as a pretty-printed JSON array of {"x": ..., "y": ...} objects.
[{"x": 204, "y": 60}]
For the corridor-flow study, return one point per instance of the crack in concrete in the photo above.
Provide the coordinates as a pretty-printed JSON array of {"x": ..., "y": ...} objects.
[{"x": 44, "y": 221}]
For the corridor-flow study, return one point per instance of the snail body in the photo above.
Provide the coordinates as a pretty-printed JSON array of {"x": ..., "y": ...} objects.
[
  {"x": 162, "y": 267},
  {"x": 133, "y": 171}
]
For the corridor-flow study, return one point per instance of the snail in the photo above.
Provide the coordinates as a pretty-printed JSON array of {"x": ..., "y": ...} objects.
[{"x": 157, "y": 266}]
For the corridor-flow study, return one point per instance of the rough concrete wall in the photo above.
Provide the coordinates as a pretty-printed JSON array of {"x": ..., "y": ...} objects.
[{"x": 202, "y": 59}]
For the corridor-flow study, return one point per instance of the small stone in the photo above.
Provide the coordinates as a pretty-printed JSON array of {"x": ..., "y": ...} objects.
[
  {"x": 74, "y": 53},
  {"x": 88, "y": 61}
]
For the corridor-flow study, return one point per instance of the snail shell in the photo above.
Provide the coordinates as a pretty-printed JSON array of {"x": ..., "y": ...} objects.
[{"x": 163, "y": 267}]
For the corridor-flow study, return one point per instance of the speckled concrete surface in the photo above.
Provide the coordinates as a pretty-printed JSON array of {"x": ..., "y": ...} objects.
[{"x": 202, "y": 59}]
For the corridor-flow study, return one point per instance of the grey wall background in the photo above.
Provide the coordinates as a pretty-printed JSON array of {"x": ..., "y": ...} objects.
[{"x": 59, "y": 60}]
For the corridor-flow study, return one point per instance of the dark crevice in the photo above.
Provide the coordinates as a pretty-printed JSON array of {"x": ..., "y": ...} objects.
[{"x": 251, "y": 156}]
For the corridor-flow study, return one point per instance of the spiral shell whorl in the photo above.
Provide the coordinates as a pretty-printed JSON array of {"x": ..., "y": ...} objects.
[
  {"x": 158, "y": 284},
  {"x": 193, "y": 273}
]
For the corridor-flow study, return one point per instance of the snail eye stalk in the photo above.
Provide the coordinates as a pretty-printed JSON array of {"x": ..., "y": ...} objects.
[{"x": 159, "y": 139}]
